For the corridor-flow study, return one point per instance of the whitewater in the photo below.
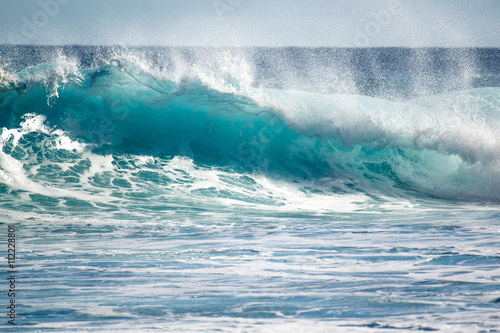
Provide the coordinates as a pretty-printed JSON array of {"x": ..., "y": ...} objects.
[{"x": 252, "y": 189}]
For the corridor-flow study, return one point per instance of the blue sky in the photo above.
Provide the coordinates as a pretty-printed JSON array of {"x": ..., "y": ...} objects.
[{"x": 410, "y": 23}]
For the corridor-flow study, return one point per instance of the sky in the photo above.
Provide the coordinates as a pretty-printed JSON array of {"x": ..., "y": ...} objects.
[{"x": 310, "y": 23}]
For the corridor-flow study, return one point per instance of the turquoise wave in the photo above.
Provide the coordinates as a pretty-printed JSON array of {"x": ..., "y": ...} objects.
[{"x": 443, "y": 146}]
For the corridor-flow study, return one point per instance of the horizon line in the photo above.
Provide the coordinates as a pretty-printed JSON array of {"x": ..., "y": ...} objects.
[{"x": 248, "y": 47}]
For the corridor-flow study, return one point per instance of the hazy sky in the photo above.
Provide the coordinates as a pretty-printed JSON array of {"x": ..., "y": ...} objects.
[{"x": 340, "y": 23}]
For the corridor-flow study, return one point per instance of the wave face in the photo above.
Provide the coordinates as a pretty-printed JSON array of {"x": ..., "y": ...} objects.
[{"x": 254, "y": 126}]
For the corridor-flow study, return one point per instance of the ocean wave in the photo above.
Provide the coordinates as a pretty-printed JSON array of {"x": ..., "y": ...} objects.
[{"x": 209, "y": 109}]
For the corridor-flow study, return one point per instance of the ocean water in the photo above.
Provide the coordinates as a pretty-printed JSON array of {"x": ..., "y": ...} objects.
[{"x": 251, "y": 189}]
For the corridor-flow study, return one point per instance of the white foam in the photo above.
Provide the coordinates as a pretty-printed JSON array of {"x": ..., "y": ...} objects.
[
  {"x": 14, "y": 174},
  {"x": 7, "y": 80}
]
